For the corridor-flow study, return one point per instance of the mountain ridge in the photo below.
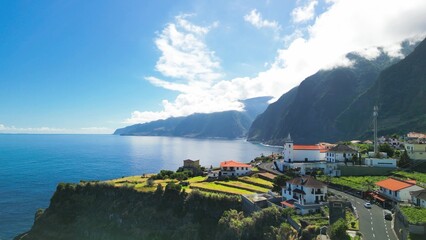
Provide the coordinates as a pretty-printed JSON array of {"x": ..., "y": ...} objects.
[
  {"x": 311, "y": 111},
  {"x": 228, "y": 124}
]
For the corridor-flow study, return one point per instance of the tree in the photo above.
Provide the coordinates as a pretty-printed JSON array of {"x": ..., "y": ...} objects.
[
  {"x": 285, "y": 231},
  {"x": 159, "y": 191},
  {"x": 369, "y": 184},
  {"x": 279, "y": 182},
  {"x": 150, "y": 182},
  {"x": 387, "y": 149},
  {"x": 230, "y": 225},
  {"x": 337, "y": 230},
  {"x": 172, "y": 191},
  {"x": 355, "y": 159},
  {"x": 404, "y": 160}
]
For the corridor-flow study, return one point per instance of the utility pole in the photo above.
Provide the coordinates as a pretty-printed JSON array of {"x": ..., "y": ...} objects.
[{"x": 375, "y": 114}]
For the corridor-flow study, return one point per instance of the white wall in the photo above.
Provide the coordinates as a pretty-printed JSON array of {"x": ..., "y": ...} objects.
[
  {"x": 309, "y": 197},
  {"x": 380, "y": 162},
  {"x": 404, "y": 194},
  {"x": 312, "y": 155},
  {"x": 401, "y": 195},
  {"x": 238, "y": 171},
  {"x": 422, "y": 202}
]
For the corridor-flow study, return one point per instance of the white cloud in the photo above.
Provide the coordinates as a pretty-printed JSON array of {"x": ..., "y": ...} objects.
[
  {"x": 345, "y": 26},
  {"x": 49, "y": 130},
  {"x": 256, "y": 20},
  {"x": 184, "y": 53},
  {"x": 304, "y": 13}
]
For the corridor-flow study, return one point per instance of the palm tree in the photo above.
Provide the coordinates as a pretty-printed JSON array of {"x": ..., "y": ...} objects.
[{"x": 370, "y": 185}]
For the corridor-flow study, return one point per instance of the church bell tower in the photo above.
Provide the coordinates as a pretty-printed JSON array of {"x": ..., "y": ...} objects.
[{"x": 288, "y": 149}]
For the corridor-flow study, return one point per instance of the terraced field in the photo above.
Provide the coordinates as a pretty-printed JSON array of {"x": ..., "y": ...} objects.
[
  {"x": 218, "y": 188},
  {"x": 244, "y": 186},
  {"x": 256, "y": 181}
]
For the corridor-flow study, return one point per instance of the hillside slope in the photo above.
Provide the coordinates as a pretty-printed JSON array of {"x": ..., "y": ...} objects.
[
  {"x": 309, "y": 111},
  {"x": 400, "y": 94},
  {"x": 228, "y": 124}
]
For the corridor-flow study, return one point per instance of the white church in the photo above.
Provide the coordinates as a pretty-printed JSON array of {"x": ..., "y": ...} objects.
[{"x": 305, "y": 157}]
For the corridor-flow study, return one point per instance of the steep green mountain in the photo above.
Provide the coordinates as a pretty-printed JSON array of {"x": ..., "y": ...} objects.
[
  {"x": 228, "y": 124},
  {"x": 400, "y": 94},
  {"x": 309, "y": 111}
]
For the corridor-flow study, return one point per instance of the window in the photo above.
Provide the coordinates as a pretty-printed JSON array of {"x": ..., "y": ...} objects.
[{"x": 238, "y": 168}]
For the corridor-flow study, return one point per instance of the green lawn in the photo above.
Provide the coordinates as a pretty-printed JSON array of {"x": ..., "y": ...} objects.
[
  {"x": 421, "y": 177},
  {"x": 316, "y": 219},
  {"x": 350, "y": 217},
  {"x": 415, "y": 215},
  {"x": 355, "y": 182},
  {"x": 196, "y": 179},
  {"x": 219, "y": 188},
  {"x": 129, "y": 179},
  {"x": 256, "y": 180},
  {"x": 139, "y": 183},
  {"x": 245, "y": 186}
]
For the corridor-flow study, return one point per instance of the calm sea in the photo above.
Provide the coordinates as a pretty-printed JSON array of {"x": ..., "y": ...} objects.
[{"x": 32, "y": 165}]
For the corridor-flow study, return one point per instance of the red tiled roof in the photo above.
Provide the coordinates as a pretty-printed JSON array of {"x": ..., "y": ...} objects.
[
  {"x": 306, "y": 147},
  {"x": 411, "y": 181},
  {"x": 377, "y": 196},
  {"x": 394, "y": 184},
  {"x": 288, "y": 203},
  {"x": 232, "y": 163},
  {"x": 321, "y": 148}
]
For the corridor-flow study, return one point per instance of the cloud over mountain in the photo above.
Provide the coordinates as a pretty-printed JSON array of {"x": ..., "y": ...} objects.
[{"x": 193, "y": 69}]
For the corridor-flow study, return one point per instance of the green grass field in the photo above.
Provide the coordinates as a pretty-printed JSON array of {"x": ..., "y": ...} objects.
[
  {"x": 250, "y": 185},
  {"x": 256, "y": 181},
  {"x": 414, "y": 215},
  {"x": 421, "y": 177},
  {"x": 219, "y": 188},
  {"x": 244, "y": 186},
  {"x": 355, "y": 182}
]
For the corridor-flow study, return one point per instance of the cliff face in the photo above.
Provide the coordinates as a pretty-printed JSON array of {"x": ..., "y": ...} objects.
[
  {"x": 309, "y": 111},
  {"x": 400, "y": 94},
  {"x": 337, "y": 104},
  {"x": 99, "y": 211}
]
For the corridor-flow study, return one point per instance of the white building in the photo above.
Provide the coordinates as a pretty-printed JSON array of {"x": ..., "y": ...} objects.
[
  {"x": 340, "y": 154},
  {"x": 397, "y": 190},
  {"x": 305, "y": 194},
  {"x": 295, "y": 156},
  {"x": 234, "y": 168},
  {"x": 381, "y": 162},
  {"x": 418, "y": 198},
  {"x": 415, "y": 150}
]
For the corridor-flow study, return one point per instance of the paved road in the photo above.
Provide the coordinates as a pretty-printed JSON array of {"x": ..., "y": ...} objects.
[
  {"x": 372, "y": 223},
  {"x": 269, "y": 167}
]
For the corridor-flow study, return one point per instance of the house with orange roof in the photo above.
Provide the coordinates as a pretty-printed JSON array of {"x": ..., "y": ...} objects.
[
  {"x": 397, "y": 190},
  {"x": 233, "y": 168}
]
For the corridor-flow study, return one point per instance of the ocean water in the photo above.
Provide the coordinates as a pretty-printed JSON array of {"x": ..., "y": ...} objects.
[{"x": 31, "y": 166}]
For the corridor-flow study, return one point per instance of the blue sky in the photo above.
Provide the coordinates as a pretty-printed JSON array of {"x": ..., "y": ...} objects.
[{"x": 93, "y": 66}]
